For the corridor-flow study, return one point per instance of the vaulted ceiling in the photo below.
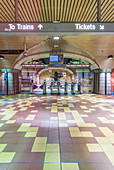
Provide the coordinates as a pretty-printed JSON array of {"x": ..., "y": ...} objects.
[{"x": 53, "y": 10}]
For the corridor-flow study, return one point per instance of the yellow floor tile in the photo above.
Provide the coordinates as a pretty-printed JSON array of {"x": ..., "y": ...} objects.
[
  {"x": 30, "y": 117},
  {"x": 6, "y": 157},
  {"x": 110, "y": 156},
  {"x": 1, "y": 134},
  {"x": 30, "y": 134},
  {"x": 107, "y": 147},
  {"x": 2, "y": 146},
  {"x": 94, "y": 147},
  {"x": 52, "y": 148},
  {"x": 87, "y": 134},
  {"x": 102, "y": 140},
  {"x": 34, "y": 111},
  {"x": 63, "y": 125},
  {"x": 38, "y": 147},
  {"x": 111, "y": 139},
  {"x": 40, "y": 140},
  {"x": 52, "y": 166},
  {"x": 54, "y": 109},
  {"x": 75, "y": 134},
  {"x": 24, "y": 127},
  {"x": 52, "y": 157},
  {"x": 71, "y": 121},
  {"x": 10, "y": 121},
  {"x": 53, "y": 118},
  {"x": 91, "y": 125},
  {"x": 66, "y": 109},
  {"x": 74, "y": 129},
  {"x": 32, "y": 129},
  {"x": 83, "y": 107},
  {"x": 70, "y": 166}
]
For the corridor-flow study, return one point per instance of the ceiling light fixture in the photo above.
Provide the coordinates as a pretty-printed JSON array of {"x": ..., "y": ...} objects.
[
  {"x": 1, "y": 57},
  {"x": 56, "y": 38},
  {"x": 110, "y": 57}
]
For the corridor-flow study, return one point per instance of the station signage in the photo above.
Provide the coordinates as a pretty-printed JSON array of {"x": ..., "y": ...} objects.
[{"x": 55, "y": 27}]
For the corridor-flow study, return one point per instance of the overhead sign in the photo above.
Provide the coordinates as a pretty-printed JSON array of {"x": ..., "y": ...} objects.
[{"x": 55, "y": 27}]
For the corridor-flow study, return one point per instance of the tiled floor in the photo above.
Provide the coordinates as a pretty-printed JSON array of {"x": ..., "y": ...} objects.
[{"x": 57, "y": 132}]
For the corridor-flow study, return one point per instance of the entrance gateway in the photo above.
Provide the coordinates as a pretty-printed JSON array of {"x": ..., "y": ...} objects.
[{"x": 81, "y": 70}]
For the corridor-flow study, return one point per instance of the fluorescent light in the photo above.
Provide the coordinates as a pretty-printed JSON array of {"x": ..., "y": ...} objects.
[
  {"x": 1, "y": 57},
  {"x": 56, "y": 38},
  {"x": 110, "y": 57}
]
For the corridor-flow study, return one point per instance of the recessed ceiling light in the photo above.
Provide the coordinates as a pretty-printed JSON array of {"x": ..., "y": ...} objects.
[
  {"x": 56, "y": 38},
  {"x": 1, "y": 57},
  {"x": 110, "y": 57}
]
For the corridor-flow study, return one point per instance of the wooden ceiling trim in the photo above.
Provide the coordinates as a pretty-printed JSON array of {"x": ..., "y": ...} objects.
[
  {"x": 92, "y": 12},
  {"x": 86, "y": 10},
  {"x": 55, "y": 5},
  {"x": 40, "y": 10},
  {"x": 6, "y": 11},
  {"x": 74, "y": 10},
  {"x": 61, "y": 11},
  {"x": 37, "y": 11},
  {"x": 5, "y": 15},
  {"x": 12, "y": 7},
  {"x": 81, "y": 10},
  {"x": 43, "y": 9},
  {"x": 52, "y": 11},
  {"x": 49, "y": 10},
  {"x": 107, "y": 11},
  {"x": 23, "y": 11},
  {"x": 29, "y": 9},
  {"x": 108, "y": 17},
  {"x": 104, "y": 6},
  {"x": 33, "y": 10},
  {"x": 42, "y": 14},
  {"x": 58, "y": 10},
  {"x": 68, "y": 10},
  {"x": 71, "y": 10},
  {"x": 3, "y": 18},
  {"x": 8, "y": 8},
  {"x": 64, "y": 11},
  {"x": 46, "y": 10}
]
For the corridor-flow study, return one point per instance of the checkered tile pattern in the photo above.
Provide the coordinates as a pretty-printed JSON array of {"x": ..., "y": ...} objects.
[{"x": 57, "y": 132}]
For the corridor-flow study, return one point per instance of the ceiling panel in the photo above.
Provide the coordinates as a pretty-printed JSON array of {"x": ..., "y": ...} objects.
[{"x": 53, "y": 10}]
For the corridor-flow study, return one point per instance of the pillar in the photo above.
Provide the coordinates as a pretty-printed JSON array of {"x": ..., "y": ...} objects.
[
  {"x": 102, "y": 81},
  {"x": 12, "y": 81}
]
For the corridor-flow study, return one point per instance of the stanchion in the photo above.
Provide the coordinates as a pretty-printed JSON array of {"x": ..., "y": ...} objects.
[
  {"x": 44, "y": 87},
  {"x": 66, "y": 87}
]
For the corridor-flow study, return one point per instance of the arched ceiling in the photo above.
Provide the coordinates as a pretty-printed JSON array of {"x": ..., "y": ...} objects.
[
  {"x": 53, "y": 10},
  {"x": 97, "y": 46}
]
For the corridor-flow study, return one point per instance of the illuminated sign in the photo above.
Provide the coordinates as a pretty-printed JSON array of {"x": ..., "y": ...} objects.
[{"x": 55, "y": 27}]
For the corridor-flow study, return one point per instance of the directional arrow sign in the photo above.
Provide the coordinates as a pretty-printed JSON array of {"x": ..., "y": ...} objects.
[{"x": 40, "y": 26}]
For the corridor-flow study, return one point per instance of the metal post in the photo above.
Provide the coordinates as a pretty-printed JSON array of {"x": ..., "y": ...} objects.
[
  {"x": 16, "y": 11},
  {"x": 98, "y": 10}
]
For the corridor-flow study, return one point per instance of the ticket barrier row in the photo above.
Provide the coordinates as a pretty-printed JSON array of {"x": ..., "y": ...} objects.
[{"x": 58, "y": 86}]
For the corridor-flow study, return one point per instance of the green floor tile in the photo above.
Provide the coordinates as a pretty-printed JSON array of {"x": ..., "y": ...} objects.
[
  {"x": 6, "y": 157},
  {"x": 51, "y": 166},
  {"x": 70, "y": 166},
  {"x": 52, "y": 157}
]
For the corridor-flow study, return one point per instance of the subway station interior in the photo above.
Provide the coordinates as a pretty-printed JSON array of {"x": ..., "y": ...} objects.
[{"x": 57, "y": 85}]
